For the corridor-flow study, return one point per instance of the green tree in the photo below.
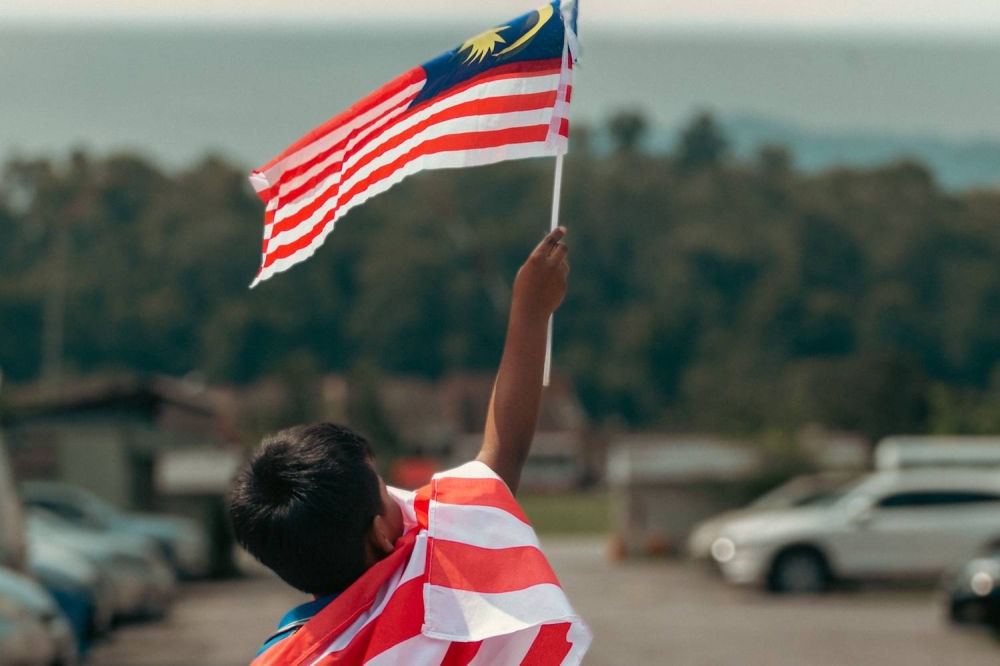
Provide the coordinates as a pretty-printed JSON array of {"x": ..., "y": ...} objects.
[
  {"x": 707, "y": 292},
  {"x": 703, "y": 144},
  {"x": 628, "y": 130}
]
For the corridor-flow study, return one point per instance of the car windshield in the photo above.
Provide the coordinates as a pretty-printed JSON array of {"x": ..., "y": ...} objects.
[
  {"x": 804, "y": 492},
  {"x": 48, "y": 520},
  {"x": 97, "y": 507},
  {"x": 823, "y": 498},
  {"x": 73, "y": 504}
]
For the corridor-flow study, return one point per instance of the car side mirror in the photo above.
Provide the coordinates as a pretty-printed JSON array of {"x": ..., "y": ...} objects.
[
  {"x": 863, "y": 516},
  {"x": 861, "y": 513}
]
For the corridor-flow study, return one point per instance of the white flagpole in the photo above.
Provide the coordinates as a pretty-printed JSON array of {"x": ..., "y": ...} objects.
[{"x": 556, "y": 196}]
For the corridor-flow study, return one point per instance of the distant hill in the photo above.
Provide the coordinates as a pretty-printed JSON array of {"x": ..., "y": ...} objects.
[{"x": 958, "y": 165}]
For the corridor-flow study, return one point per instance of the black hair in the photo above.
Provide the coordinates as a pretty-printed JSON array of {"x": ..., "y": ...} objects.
[{"x": 304, "y": 503}]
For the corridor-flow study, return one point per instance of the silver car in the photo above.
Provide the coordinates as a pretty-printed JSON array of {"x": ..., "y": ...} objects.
[
  {"x": 801, "y": 491},
  {"x": 910, "y": 524},
  {"x": 39, "y": 604},
  {"x": 144, "y": 582},
  {"x": 183, "y": 541},
  {"x": 65, "y": 571},
  {"x": 23, "y": 639}
]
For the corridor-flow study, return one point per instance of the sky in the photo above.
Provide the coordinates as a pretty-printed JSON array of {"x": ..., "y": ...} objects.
[{"x": 922, "y": 15}]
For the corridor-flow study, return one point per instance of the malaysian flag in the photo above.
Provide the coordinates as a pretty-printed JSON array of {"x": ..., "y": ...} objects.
[
  {"x": 501, "y": 95},
  {"x": 467, "y": 585}
]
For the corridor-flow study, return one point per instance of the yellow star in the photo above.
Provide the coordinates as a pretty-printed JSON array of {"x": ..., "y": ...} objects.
[{"x": 483, "y": 45}]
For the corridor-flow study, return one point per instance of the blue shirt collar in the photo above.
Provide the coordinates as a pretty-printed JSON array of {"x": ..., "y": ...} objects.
[
  {"x": 295, "y": 618},
  {"x": 305, "y": 611}
]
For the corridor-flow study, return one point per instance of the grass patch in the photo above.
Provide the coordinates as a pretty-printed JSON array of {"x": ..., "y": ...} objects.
[{"x": 568, "y": 513}]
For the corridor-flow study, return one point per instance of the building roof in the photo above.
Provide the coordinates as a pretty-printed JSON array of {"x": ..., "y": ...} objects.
[
  {"x": 938, "y": 451},
  {"x": 144, "y": 397},
  {"x": 660, "y": 458}
]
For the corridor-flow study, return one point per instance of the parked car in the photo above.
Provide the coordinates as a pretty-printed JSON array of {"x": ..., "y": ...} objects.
[
  {"x": 801, "y": 491},
  {"x": 39, "y": 604},
  {"x": 84, "y": 593},
  {"x": 183, "y": 541},
  {"x": 911, "y": 524},
  {"x": 143, "y": 581},
  {"x": 23, "y": 639},
  {"x": 972, "y": 591}
]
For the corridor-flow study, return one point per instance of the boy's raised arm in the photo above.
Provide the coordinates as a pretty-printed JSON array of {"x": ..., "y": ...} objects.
[{"x": 513, "y": 415}]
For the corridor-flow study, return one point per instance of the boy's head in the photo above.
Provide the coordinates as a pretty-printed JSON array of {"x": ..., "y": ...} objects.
[{"x": 310, "y": 506}]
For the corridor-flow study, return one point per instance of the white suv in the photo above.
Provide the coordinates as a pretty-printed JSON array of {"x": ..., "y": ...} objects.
[{"x": 899, "y": 524}]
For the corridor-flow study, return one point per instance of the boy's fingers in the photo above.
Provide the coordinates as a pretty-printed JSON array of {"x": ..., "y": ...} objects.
[
  {"x": 552, "y": 238},
  {"x": 558, "y": 254}
]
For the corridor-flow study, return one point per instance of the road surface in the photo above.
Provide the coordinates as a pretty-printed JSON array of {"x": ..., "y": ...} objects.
[{"x": 648, "y": 613}]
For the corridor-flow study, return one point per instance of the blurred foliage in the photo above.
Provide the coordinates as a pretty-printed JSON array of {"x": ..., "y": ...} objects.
[{"x": 706, "y": 293}]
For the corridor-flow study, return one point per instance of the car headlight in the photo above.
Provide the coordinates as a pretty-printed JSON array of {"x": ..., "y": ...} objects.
[
  {"x": 723, "y": 550},
  {"x": 982, "y": 584}
]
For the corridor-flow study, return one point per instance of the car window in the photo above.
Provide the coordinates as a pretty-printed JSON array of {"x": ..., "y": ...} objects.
[
  {"x": 67, "y": 511},
  {"x": 825, "y": 498},
  {"x": 99, "y": 510},
  {"x": 937, "y": 498}
]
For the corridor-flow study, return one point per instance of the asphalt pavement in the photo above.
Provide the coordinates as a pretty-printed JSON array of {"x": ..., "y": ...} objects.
[{"x": 642, "y": 613}]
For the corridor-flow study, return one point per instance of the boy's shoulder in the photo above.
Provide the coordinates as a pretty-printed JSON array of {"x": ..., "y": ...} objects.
[{"x": 473, "y": 484}]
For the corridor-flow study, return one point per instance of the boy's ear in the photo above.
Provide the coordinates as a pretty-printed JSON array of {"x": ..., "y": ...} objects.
[{"x": 378, "y": 536}]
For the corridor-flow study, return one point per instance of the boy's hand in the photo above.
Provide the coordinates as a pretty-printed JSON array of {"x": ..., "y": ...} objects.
[
  {"x": 510, "y": 425},
  {"x": 540, "y": 285}
]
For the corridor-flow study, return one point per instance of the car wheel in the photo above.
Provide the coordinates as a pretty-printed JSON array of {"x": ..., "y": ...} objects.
[
  {"x": 800, "y": 571},
  {"x": 968, "y": 612}
]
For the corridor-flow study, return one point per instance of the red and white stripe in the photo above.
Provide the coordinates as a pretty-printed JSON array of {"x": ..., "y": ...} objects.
[
  {"x": 508, "y": 112},
  {"x": 467, "y": 586}
]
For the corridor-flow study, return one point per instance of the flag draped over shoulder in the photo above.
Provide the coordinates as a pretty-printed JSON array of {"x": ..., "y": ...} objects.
[
  {"x": 501, "y": 95},
  {"x": 466, "y": 586}
]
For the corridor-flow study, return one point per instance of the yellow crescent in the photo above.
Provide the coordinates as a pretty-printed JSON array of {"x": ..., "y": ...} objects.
[{"x": 544, "y": 14}]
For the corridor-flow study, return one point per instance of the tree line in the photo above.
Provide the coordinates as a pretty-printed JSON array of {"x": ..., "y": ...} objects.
[{"x": 706, "y": 292}]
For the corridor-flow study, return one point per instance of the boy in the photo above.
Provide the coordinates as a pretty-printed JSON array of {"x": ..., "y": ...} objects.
[{"x": 451, "y": 574}]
